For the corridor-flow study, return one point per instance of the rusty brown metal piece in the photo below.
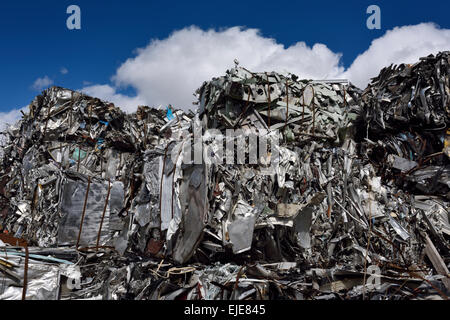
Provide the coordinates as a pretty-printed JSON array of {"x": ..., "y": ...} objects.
[
  {"x": 154, "y": 246},
  {"x": 238, "y": 276},
  {"x": 25, "y": 273}
]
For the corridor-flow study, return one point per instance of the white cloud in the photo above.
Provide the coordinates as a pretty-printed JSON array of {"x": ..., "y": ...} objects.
[
  {"x": 400, "y": 45},
  {"x": 170, "y": 70},
  {"x": 108, "y": 93},
  {"x": 11, "y": 117},
  {"x": 41, "y": 83},
  {"x": 7, "y": 119},
  {"x": 64, "y": 70}
]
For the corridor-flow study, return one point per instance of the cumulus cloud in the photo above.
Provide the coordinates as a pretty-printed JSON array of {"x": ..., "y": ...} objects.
[
  {"x": 400, "y": 45},
  {"x": 7, "y": 119},
  {"x": 41, "y": 83},
  {"x": 170, "y": 70},
  {"x": 108, "y": 93},
  {"x": 11, "y": 117}
]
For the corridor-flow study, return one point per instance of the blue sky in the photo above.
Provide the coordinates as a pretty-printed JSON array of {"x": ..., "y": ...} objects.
[{"x": 35, "y": 42}]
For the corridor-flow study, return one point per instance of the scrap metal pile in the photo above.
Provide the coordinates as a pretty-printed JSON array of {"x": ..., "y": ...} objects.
[{"x": 349, "y": 200}]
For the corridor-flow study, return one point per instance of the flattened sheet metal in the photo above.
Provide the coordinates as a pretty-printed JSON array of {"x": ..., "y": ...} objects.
[
  {"x": 193, "y": 194},
  {"x": 73, "y": 195}
]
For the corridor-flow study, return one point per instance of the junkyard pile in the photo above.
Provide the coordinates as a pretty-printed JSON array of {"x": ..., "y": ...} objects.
[{"x": 349, "y": 201}]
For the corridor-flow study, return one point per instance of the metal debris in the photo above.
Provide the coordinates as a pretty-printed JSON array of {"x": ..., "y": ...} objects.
[{"x": 350, "y": 203}]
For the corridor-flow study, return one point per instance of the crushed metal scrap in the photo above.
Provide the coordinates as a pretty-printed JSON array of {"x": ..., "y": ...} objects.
[{"x": 355, "y": 204}]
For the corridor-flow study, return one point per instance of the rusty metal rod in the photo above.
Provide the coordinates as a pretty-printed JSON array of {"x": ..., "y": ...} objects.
[{"x": 25, "y": 273}]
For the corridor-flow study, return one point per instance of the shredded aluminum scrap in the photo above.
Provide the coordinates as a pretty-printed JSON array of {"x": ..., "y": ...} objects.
[
  {"x": 405, "y": 123},
  {"x": 354, "y": 206}
]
